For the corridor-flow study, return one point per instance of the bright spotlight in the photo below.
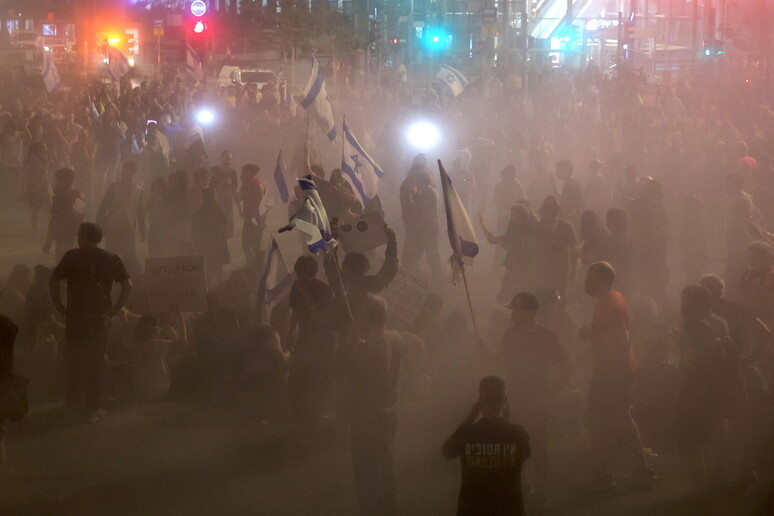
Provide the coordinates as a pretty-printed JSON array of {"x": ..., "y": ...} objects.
[
  {"x": 423, "y": 135},
  {"x": 205, "y": 116}
]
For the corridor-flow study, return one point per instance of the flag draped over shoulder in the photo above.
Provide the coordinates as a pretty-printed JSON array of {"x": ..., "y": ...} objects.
[
  {"x": 279, "y": 178},
  {"x": 312, "y": 219},
  {"x": 118, "y": 64},
  {"x": 453, "y": 79},
  {"x": 315, "y": 101},
  {"x": 50, "y": 74},
  {"x": 274, "y": 283},
  {"x": 360, "y": 169},
  {"x": 461, "y": 235},
  {"x": 193, "y": 64}
]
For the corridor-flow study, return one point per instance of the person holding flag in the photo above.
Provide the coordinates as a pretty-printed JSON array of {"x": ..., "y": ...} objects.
[
  {"x": 118, "y": 64},
  {"x": 419, "y": 209},
  {"x": 315, "y": 101}
]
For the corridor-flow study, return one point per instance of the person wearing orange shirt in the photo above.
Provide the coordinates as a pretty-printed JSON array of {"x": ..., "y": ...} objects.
[{"x": 610, "y": 422}]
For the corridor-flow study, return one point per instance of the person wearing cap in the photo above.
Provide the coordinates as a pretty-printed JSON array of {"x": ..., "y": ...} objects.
[
  {"x": 613, "y": 368},
  {"x": 492, "y": 451},
  {"x": 536, "y": 368}
]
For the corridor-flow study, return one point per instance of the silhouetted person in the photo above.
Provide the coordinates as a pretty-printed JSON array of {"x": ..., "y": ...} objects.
[
  {"x": 374, "y": 373},
  {"x": 492, "y": 452},
  {"x": 122, "y": 214},
  {"x": 613, "y": 367},
  {"x": 90, "y": 273}
]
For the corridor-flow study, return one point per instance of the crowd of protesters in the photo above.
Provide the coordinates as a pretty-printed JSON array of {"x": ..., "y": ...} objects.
[{"x": 590, "y": 194}]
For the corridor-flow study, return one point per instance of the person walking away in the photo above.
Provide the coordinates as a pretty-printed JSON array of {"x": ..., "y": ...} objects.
[
  {"x": 492, "y": 452},
  {"x": 613, "y": 368},
  {"x": 226, "y": 185},
  {"x": 121, "y": 213},
  {"x": 251, "y": 195},
  {"x": 706, "y": 365},
  {"x": 536, "y": 369},
  {"x": 311, "y": 304},
  {"x": 67, "y": 212},
  {"x": 374, "y": 377},
  {"x": 209, "y": 235},
  {"x": 36, "y": 188},
  {"x": 90, "y": 273}
]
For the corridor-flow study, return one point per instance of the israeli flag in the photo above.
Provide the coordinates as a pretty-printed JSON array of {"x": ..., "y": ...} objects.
[
  {"x": 452, "y": 79},
  {"x": 461, "y": 235},
  {"x": 93, "y": 111},
  {"x": 50, "y": 75},
  {"x": 312, "y": 220},
  {"x": 360, "y": 169},
  {"x": 118, "y": 64},
  {"x": 193, "y": 64},
  {"x": 279, "y": 178},
  {"x": 275, "y": 282},
  {"x": 315, "y": 101}
]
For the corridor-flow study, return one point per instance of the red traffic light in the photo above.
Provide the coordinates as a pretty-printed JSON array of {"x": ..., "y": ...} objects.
[
  {"x": 199, "y": 27},
  {"x": 394, "y": 41}
]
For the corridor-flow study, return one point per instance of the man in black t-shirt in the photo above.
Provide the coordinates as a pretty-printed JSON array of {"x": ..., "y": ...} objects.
[
  {"x": 492, "y": 452},
  {"x": 90, "y": 273}
]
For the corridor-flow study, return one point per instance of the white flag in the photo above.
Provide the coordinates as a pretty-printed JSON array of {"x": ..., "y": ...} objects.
[
  {"x": 462, "y": 238},
  {"x": 193, "y": 64},
  {"x": 315, "y": 101},
  {"x": 312, "y": 219},
  {"x": 360, "y": 169},
  {"x": 275, "y": 281},
  {"x": 118, "y": 64},
  {"x": 452, "y": 79},
  {"x": 50, "y": 74}
]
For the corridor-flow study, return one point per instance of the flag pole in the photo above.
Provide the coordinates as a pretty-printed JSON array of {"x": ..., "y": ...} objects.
[
  {"x": 470, "y": 304},
  {"x": 343, "y": 288}
]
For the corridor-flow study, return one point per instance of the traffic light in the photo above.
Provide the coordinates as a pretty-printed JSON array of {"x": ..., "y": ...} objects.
[
  {"x": 394, "y": 41},
  {"x": 199, "y": 27},
  {"x": 567, "y": 37},
  {"x": 198, "y": 21},
  {"x": 436, "y": 39}
]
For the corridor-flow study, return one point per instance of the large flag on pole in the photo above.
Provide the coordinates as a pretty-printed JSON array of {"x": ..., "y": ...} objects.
[
  {"x": 360, "y": 169},
  {"x": 50, "y": 74},
  {"x": 275, "y": 281},
  {"x": 452, "y": 79},
  {"x": 312, "y": 220},
  {"x": 315, "y": 101},
  {"x": 193, "y": 64},
  {"x": 118, "y": 64},
  {"x": 279, "y": 178},
  {"x": 461, "y": 235}
]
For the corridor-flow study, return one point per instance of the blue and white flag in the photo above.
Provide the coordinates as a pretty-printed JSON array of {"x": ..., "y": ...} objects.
[
  {"x": 452, "y": 79},
  {"x": 275, "y": 282},
  {"x": 279, "y": 178},
  {"x": 118, "y": 64},
  {"x": 361, "y": 171},
  {"x": 315, "y": 101},
  {"x": 193, "y": 64},
  {"x": 461, "y": 235},
  {"x": 312, "y": 220},
  {"x": 93, "y": 111},
  {"x": 50, "y": 75}
]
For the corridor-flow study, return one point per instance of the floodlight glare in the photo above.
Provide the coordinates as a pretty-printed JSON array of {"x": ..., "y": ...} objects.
[
  {"x": 205, "y": 116},
  {"x": 423, "y": 135}
]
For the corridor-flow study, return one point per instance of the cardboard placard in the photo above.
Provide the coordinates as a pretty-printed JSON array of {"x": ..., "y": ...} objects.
[
  {"x": 404, "y": 296},
  {"x": 177, "y": 280}
]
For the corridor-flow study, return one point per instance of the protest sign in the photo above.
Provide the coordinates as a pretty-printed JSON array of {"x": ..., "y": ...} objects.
[
  {"x": 177, "y": 280},
  {"x": 364, "y": 233},
  {"x": 404, "y": 296}
]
